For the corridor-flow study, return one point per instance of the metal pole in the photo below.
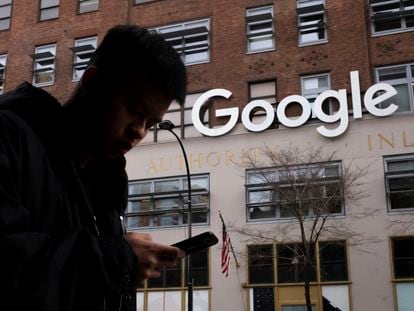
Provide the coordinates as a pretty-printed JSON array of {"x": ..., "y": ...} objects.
[{"x": 168, "y": 125}]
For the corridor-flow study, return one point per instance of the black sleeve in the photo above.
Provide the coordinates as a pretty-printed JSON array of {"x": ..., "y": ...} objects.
[{"x": 76, "y": 270}]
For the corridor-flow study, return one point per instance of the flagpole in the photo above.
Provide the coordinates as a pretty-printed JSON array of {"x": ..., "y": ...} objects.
[{"x": 231, "y": 245}]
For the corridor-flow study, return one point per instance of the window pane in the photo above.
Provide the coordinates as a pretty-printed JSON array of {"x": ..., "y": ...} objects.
[
  {"x": 170, "y": 219},
  {"x": 405, "y": 297},
  {"x": 401, "y": 192},
  {"x": 4, "y": 2},
  {"x": 335, "y": 297},
  {"x": 400, "y": 166},
  {"x": 5, "y": 24},
  {"x": 5, "y": 11},
  {"x": 333, "y": 262},
  {"x": 139, "y": 206},
  {"x": 261, "y": 269},
  {"x": 49, "y": 13},
  {"x": 401, "y": 99},
  {"x": 290, "y": 265},
  {"x": 48, "y": 3},
  {"x": 260, "y": 32},
  {"x": 196, "y": 217},
  {"x": 88, "y": 6},
  {"x": 262, "y": 89},
  {"x": 199, "y": 265},
  {"x": 139, "y": 188},
  {"x": 134, "y": 222},
  {"x": 262, "y": 212},
  {"x": 262, "y": 299},
  {"x": 167, "y": 185},
  {"x": 403, "y": 252}
]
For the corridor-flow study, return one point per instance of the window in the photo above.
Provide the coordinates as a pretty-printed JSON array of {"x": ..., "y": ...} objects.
[
  {"x": 333, "y": 261},
  {"x": 181, "y": 117},
  {"x": 5, "y": 13},
  {"x": 402, "y": 79},
  {"x": 314, "y": 85},
  {"x": 82, "y": 52},
  {"x": 261, "y": 267},
  {"x": 170, "y": 289},
  {"x": 3, "y": 62},
  {"x": 403, "y": 268},
  {"x": 260, "y": 29},
  {"x": 390, "y": 16},
  {"x": 301, "y": 191},
  {"x": 86, "y": 6},
  {"x": 311, "y": 21},
  {"x": 290, "y": 267},
  {"x": 329, "y": 270},
  {"x": 399, "y": 182},
  {"x": 163, "y": 202},
  {"x": 191, "y": 40},
  {"x": 262, "y": 90},
  {"x": 44, "y": 65},
  {"x": 49, "y": 9}
]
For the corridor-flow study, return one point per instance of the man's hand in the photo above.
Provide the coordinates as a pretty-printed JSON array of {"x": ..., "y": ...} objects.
[{"x": 152, "y": 256}]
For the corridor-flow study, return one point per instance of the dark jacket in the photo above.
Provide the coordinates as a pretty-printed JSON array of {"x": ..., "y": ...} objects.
[{"x": 53, "y": 254}]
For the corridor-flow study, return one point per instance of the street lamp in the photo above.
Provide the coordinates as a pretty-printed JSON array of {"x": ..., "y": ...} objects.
[{"x": 168, "y": 125}]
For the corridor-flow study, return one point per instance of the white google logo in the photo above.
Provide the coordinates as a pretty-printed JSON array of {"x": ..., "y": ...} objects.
[{"x": 371, "y": 102}]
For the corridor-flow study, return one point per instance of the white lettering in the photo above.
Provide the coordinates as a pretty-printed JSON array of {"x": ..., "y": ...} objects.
[
  {"x": 281, "y": 111},
  {"x": 270, "y": 115},
  {"x": 232, "y": 112},
  {"x": 371, "y": 102}
]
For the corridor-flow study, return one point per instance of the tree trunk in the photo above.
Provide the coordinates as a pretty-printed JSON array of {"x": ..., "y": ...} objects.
[{"x": 307, "y": 272}]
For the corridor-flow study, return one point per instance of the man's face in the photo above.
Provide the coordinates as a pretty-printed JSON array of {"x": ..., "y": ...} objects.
[{"x": 130, "y": 113}]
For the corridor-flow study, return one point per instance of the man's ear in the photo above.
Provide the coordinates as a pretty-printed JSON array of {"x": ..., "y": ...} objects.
[{"x": 89, "y": 80}]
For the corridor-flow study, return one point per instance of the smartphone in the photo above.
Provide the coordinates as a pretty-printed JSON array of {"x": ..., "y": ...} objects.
[{"x": 197, "y": 243}]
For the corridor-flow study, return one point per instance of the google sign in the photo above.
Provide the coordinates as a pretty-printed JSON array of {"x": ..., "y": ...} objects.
[{"x": 371, "y": 104}]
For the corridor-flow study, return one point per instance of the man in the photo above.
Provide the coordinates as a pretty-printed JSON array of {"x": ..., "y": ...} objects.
[{"x": 63, "y": 186}]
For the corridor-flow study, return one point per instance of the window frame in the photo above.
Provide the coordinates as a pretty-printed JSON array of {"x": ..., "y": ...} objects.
[
  {"x": 309, "y": 95},
  {"x": 145, "y": 288},
  {"x": 393, "y": 258},
  {"x": 185, "y": 33},
  {"x": 249, "y": 34},
  {"x": 274, "y": 202},
  {"x": 402, "y": 18},
  {"x": 82, "y": 52},
  {"x": 37, "y": 60},
  {"x": 180, "y": 194},
  {"x": 308, "y": 13},
  {"x": 3, "y": 72},
  {"x": 48, "y": 8},
  {"x": 9, "y": 17},
  {"x": 276, "y": 285},
  {"x": 409, "y": 70},
  {"x": 386, "y": 161}
]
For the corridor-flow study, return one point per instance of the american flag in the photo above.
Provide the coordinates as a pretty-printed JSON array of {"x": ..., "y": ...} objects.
[{"x": 225, "y": 252}]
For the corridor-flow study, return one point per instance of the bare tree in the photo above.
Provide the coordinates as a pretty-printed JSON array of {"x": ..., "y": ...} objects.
[{"x": 309, "y": 187}]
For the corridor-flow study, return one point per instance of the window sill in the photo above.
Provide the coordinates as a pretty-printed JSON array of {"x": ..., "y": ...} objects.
[
  {"x": 260, "y": 51},
  {"x": 401, "y": 211},
  {"x": 313, "y": 43},
  {"x": 390, "y": 32},
  {"x": 43, "y": 84}
]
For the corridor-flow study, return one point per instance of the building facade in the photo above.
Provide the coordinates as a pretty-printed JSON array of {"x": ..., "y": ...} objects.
[{"x": 260, "y": 51}]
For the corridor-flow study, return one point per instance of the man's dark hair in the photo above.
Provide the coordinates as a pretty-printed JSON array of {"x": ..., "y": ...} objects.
[{"x": 129, "y": 51}]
